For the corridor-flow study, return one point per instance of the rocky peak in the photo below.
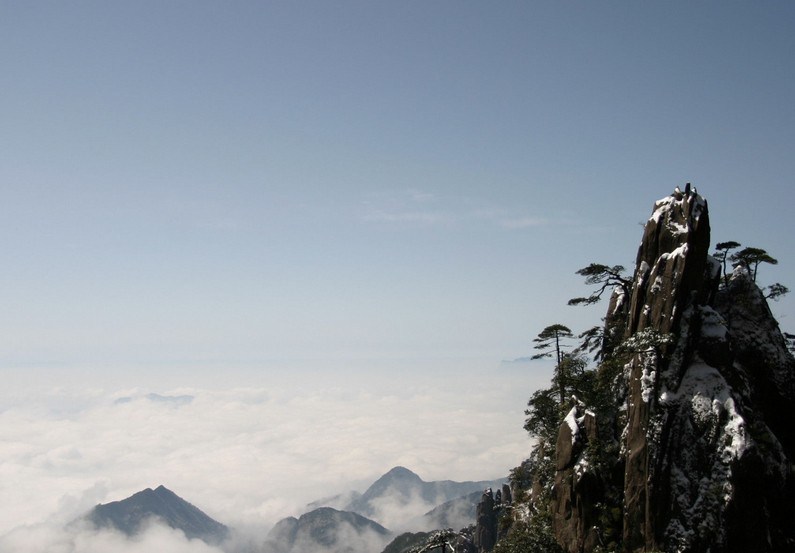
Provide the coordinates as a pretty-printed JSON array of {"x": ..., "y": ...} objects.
[
  {"x": 669, "y": 278},
  {"x": 706, "y": 446},
  {"x": 704, "y": 408},
  {"x": 670, "y": 263},
  {"x": 130, "y": 515}
]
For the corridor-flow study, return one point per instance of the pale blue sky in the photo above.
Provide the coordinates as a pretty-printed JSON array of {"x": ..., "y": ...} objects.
[{"x": 310, "y": 185}]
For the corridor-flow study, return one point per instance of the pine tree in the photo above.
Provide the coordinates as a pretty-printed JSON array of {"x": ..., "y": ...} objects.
[
  {"x": 722, "y": 250},
  {"x": 751, "y": 258},
  {"x": 606, "y": 277}
]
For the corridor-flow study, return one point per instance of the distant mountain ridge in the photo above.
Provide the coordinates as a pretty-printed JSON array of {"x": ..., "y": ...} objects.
[
  {"x": 131, "y": 514},
  {"x": 402, "y": 493},
  {"x": 326, "y": 529},
  {"x": 399, "y": 497},
  {"x": 455, "y": 513},
  {"x": 400, "y": 500}
]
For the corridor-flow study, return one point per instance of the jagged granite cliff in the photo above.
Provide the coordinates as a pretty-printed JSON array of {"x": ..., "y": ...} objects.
[
  {"x": 709, "y": 449},
  {"x": 694, "y": 452}
]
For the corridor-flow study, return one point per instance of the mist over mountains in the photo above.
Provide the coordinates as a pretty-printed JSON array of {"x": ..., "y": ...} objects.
[
  {"x": 399, "y": 497},
  {"x": 74, "y": 447},
  {"x": 326, "y": 529}
]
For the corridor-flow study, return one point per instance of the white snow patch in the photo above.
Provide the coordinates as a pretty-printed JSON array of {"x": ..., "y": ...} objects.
[
  {"x": 737, "y": 442},
  {"x": 713, "y": 427},
  {"x": 677, "y": 228},
  {"x": 644, "y": 267},
  {"x": 681, "y": 251},
  {"x": 656, "y": 285},
  {"x": 581, "y": 467},
  {"x": 620, "y": 297},
  {"x": 660, "y": 207},
  {"x": 571, "y": 420},
  {"x": 648, "y": 377}
]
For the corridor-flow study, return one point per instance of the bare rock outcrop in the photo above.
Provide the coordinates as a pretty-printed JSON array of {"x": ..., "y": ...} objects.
[
  {"x": 486, "y": 523},
  {"x": 669, "y": 278},
  {"x": 577, "y": 489}
]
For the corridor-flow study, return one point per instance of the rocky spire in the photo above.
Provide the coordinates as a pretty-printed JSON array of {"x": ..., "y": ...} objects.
[
  {"x": 486, "y": 523},
  {"x": 669, "y": 277},
  {"x": 705, "y": 396},
  {"x": 670, "y": 263},
  {"x": 705, "y": 461}
]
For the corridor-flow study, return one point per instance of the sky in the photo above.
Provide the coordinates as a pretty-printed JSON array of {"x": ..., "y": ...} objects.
[{"x": 223, "y": 199}]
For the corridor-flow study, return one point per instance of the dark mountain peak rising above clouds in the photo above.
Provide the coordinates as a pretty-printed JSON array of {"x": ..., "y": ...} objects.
[
  {"x": 398, "y": 478},
  {"x": 130, "y": 515}
]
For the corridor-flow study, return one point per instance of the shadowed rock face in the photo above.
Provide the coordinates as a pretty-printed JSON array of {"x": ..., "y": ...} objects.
[
  {"x": 577, "y": 490},
  {"x": 670, "y": 264},
  {"x": 131, "y": 514},
  {"x": 707, "y": 443}
]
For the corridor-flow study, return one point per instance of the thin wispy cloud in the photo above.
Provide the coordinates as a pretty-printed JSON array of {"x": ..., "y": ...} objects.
[
  {"x": 523, "y": 222},
  {"x": 428, "y": 209},
  {"x": 421, "y": 196},
  {"x": 413, "y": 207},
  {"x": 420, "y": 217}
]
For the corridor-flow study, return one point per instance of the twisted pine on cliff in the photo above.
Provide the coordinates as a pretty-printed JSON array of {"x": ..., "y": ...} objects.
[
  {"x": 751, "y": 258},
  {"x": 601, "y": 339},
  {"x": 553, "y": 335},
  {"x": 606, "y": 278}
]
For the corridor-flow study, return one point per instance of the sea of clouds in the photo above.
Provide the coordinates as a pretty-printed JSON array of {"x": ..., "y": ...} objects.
[{"x": 247, "y": 456}]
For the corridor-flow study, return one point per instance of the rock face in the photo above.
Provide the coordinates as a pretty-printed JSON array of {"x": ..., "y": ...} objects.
[
  {"x": 486, "y": 523},
  {"x": 703, "y": 458},
  {"x": 578, "y": 489},
  {"x": 491, "y": 507},
  {"x": 704, "y": 419},
  {"x": 669, "y": 280}
]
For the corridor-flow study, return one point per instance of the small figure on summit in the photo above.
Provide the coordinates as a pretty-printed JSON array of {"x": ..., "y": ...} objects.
[{"x": 687, "y": 189}]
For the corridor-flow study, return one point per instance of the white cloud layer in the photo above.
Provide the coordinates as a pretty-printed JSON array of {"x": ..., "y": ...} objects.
[
  {"x": 246, "y": 456},
  {"x": 51, "y": 538}
]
